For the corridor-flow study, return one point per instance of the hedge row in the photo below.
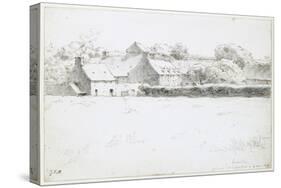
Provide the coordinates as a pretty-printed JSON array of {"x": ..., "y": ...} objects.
[{"x": 208, "y": 91}]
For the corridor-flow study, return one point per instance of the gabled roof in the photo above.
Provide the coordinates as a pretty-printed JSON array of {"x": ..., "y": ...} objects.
[
  {"x": 164, "y": 67},
  {"x": 137, "y": 46},
  {"x": 97, "y": 72},
  {"x": 142, "y": 47},
  {"x": 119, "y": 66}
]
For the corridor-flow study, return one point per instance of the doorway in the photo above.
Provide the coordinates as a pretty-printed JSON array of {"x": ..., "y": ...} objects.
[{"x": 111, "y": 92}]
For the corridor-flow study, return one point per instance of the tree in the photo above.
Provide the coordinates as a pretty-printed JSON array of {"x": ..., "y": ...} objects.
[
  {"x": 59, "y": 61},
  {"x": 224, "y": 71},
  {"x": 236, "y": 53},
  {"x": 179, "y": 51},
  {"x": 169, "y": 52}
]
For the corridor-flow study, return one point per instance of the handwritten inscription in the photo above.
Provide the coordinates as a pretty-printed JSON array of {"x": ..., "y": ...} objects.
[{"x": 54, "y": 172}]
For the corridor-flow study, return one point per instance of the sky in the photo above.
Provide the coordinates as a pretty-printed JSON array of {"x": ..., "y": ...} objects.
[{"x": 116, "y": 29}]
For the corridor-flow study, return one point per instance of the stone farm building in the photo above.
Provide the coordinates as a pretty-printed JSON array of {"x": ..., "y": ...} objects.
[
  {"x": 122, "y": 75},
  {"x": 93, "y": 78},
  {"x": 155, "y": 72}
]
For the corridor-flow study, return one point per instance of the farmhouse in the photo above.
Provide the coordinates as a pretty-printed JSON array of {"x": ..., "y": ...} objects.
[{"x": 93, "y": 78}]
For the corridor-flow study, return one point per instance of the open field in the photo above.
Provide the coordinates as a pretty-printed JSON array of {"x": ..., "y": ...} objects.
[{"x": 103, "y": 137}]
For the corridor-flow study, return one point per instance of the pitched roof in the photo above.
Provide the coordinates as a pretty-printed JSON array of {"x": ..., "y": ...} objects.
[
  {"x": 164, "y": 67},
  {"x": 138, "y": 46},
  {"x": 142, "y": 47},
  {"x": 97, "y": 72},
  {"x": 119, "y": 66}
]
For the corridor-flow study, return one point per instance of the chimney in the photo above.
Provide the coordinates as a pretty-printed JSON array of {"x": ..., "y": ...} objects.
[
  {"x": 78, "y": 61},
  {"x": 104, "y": 54}
]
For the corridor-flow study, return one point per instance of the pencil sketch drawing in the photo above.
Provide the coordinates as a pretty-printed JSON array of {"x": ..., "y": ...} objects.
[
  {"x": 81, "y": 69},
  {"x": 134, "y": 93}
]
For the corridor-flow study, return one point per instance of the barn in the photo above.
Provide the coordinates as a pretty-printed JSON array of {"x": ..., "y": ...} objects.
[
  {"x": 155, "y": 72},
  {"x": 169, "y": 75},
  {"x": 92, "y": 78}
]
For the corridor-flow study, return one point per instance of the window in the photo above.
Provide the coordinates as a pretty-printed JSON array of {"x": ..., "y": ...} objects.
[{"x": 111, "y": 92}]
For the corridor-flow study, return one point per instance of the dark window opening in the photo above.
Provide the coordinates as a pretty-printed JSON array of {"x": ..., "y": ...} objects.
[
  {"x": 111, "y": 92},
  {"x": 96, "y": 92}
]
